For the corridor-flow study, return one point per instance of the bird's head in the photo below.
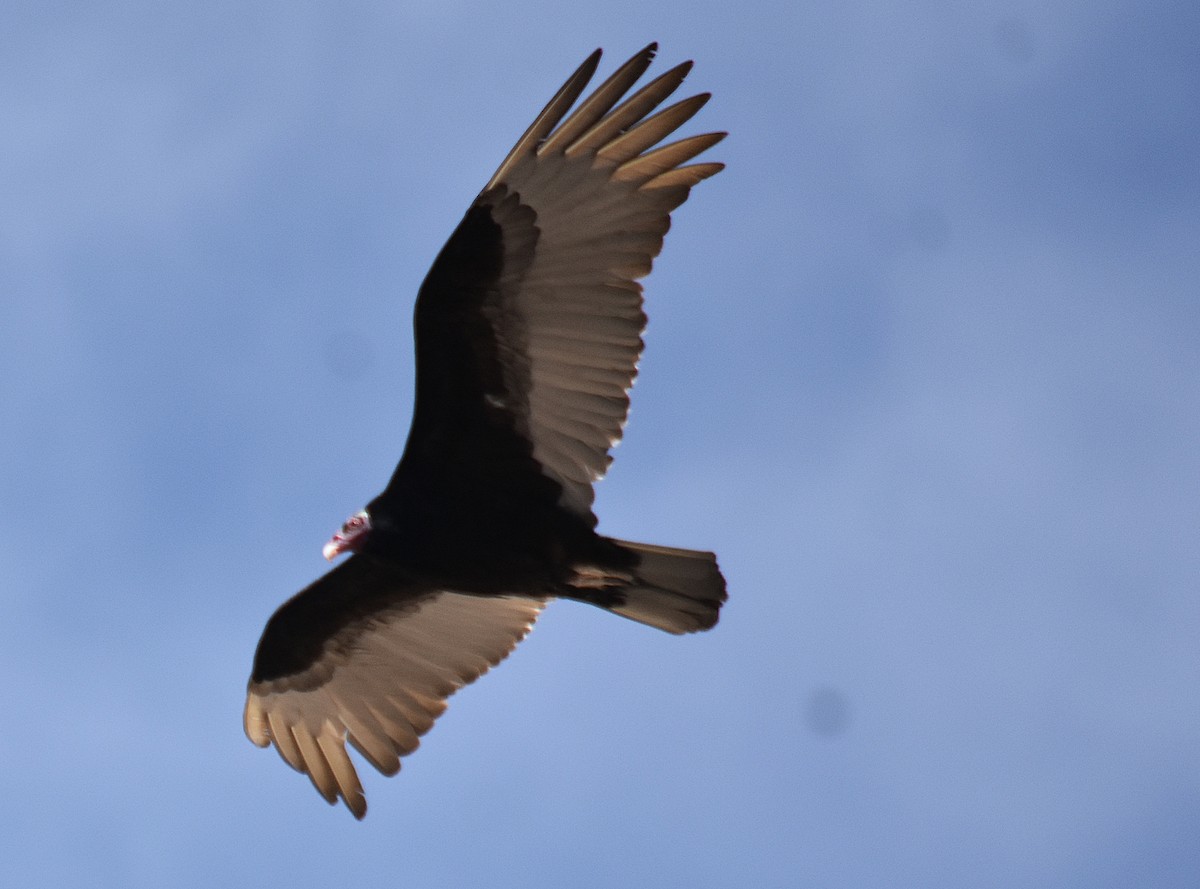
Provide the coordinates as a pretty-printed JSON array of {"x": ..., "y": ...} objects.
[{"x": 350, "y": 538}]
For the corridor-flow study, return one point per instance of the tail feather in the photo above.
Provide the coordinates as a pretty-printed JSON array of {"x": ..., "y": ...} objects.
[{"x": 677, "y": 590}]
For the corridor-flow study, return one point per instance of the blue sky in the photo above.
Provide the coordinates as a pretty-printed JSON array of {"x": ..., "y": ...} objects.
[{"x": 922, "y": 367}]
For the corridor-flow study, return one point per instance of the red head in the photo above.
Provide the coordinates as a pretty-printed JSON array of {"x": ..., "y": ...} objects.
[{"x": 351, "y": 538}]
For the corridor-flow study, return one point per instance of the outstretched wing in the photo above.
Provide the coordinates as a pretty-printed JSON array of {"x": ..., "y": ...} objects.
[
  {"x": 366, "y": 656},
  {"x": 529, "y": 324}
]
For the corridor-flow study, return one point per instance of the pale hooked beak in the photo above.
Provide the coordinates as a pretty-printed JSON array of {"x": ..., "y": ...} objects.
[{"x": 350, "y": 538}]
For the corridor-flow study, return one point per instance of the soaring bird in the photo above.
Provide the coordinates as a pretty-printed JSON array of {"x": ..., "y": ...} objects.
[{"x": 528, "y": 332}]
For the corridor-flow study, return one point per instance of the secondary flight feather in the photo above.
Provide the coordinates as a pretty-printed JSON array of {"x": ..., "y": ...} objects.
[{"x": 528, "y": 332}]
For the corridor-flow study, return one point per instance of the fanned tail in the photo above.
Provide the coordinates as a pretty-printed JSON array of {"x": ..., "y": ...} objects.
[{"x": 677, "y": 590}]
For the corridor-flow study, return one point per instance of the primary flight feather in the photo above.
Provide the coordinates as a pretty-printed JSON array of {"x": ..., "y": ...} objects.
[{"x": 528, "y": 333}]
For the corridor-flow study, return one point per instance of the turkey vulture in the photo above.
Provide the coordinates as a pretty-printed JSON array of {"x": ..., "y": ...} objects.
[{"x": 528, "y": 332}]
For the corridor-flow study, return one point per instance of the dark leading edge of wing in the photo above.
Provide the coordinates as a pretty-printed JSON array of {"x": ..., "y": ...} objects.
[
  {"x": 365, "y": 655},
  {"x": 529, "y": 324}
]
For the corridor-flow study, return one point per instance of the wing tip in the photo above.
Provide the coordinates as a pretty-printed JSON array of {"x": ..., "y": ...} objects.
[{"x": 254, "y": 721}]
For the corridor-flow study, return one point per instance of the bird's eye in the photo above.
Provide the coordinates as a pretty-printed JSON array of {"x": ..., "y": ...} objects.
[{"x": 354, "y": 523}]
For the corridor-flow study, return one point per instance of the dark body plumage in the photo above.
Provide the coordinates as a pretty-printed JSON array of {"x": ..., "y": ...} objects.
[{"x": 528, "y": 329}]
